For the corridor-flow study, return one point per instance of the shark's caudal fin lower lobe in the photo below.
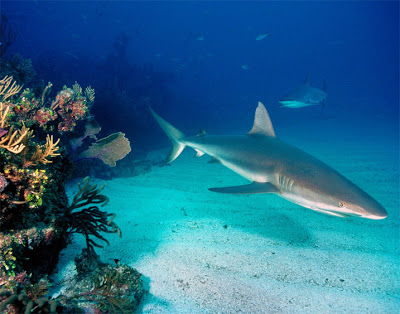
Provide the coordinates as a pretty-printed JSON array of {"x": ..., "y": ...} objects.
[{"x": 173, "y": 134}]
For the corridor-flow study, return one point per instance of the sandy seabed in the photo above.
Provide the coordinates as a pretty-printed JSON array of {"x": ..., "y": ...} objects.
[{"x": 204, "y": 252}]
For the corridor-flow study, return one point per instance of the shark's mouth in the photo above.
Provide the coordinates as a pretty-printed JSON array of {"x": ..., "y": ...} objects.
[{"x": 336, "y": 213}]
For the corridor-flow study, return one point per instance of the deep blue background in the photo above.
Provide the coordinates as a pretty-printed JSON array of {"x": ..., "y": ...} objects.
[{"x": 354, "y": 46}]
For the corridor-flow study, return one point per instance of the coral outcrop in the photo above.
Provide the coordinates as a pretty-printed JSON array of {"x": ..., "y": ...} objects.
[{"x": 36, "y": 220}]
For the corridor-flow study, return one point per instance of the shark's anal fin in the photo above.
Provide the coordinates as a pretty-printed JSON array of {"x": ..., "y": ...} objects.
[
  {"x": 252, "y": 188},
  {"x": 214, "y": 160}
]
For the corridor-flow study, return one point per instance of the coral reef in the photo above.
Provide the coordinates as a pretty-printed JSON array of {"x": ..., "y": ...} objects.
[
  {"x": 8, "y": 88},
  {"x": 101, "y": 287},
  {"x": 35, "y": 219},
  {"x": 63, "y": 114},
  {"x": 29, "y": 298}
]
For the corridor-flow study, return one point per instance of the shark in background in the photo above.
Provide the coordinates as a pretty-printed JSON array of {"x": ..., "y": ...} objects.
[
  {"x": 272, "y": 166},
  {"x": 303, "y": 96}
]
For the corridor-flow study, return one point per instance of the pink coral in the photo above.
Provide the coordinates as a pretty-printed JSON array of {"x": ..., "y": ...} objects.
[
  {"x": 43, "y": 116},
  {"x": 22, "y": 278},
  {"x": 49, "y": 235},
  {"x": 2, "y": 132},
  {"x": 3, "y": 183},
  {"x": 71, "y": 113},
  {"x": 62, "y": 98}
]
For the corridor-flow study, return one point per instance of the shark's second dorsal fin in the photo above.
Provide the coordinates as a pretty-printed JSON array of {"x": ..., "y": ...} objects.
[
  {"x": 262, "y": 122},
  {"x": 201, "y": 133}
]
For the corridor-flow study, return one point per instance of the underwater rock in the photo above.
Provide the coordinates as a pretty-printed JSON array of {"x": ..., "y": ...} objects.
[{"x": 102, "y": 287}]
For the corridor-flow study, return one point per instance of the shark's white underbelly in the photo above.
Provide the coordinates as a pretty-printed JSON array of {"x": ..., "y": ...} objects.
[
  {"x": 296, "y": 104},
  {"x": 309, "y": 202}
]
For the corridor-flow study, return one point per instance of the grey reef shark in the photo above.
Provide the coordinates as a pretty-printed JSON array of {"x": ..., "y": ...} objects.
[
  {"x": 303, "y": 96},
  {"x": 275, "y": 167}
]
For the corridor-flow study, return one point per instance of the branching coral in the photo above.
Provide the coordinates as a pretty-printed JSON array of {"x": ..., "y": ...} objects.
[
  {"x": 12, "y": 141},
  {"x": 77, "y": 89},
  {"x": 90, "y": 221},
  {"x": 43, "y": 152},
  {"x": 46, "y": 92},
  {"x": 4, "y": 109},
  {"x": 89, "y": 93},
  {"x": 8, "y": 88},
  {"x": 89, "y": 194}
]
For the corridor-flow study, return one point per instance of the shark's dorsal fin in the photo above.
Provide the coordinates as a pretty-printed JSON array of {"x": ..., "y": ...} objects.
[{"x": 262, "y": 122}]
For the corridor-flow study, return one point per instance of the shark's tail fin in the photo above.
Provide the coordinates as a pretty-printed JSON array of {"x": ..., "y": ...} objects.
[{"x": 173, "y": 134}]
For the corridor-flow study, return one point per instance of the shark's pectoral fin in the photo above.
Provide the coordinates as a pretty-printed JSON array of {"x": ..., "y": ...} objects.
[
  {"x": 327, "y": 212},
  {"x": 252, "y": 188}
]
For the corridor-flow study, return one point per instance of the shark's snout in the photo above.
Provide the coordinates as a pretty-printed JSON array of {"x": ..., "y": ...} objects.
[
  {"x": 376, "y": 212},
  {"x": 368, "y": 207}
]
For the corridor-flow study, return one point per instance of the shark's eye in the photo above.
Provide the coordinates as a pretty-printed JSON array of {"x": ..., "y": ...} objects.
[{"x": 341, "y": 204}]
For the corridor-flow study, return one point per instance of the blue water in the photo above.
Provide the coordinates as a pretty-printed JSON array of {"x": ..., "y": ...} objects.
[
  {"x": 139, "y": 53},
  {"x": 199, "y": 65}
]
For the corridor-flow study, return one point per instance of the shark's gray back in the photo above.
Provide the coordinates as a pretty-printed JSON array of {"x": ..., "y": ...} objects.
[{"x": 272, "y": 158}]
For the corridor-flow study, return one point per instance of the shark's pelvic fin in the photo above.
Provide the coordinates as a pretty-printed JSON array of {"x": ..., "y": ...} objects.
[
  {"x": 199, "y": 153},
  {"x": 262, "y": 122},
  {"x": 201, "y": 133},
  {"x": 173, "y": 134},
  {"x": 252, "y": 188}
]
